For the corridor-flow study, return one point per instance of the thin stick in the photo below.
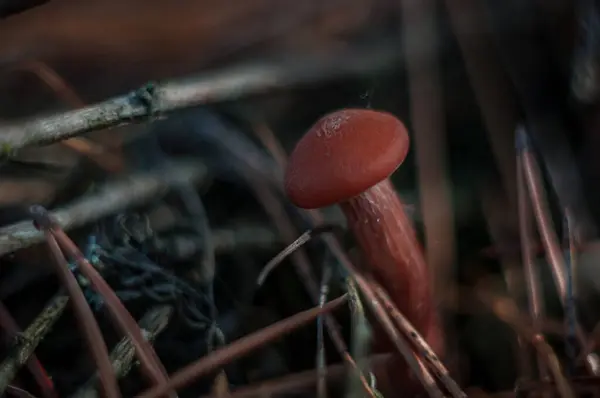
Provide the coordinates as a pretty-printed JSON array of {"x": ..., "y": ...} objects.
[
  {"x": 150, "y": 364},
  {"x": 111, "y": 198},
  {"x": 12, "y": 330},
  {"x": 303, "y": 381},
  {"x": 419, "y": 342},
  {"x": 86, "y": 320},
  {"x": 229, "y": 84},
  {"x": 544, "y": 223},
  {"x": 123, "y": 355},
  {"x": 534, "y": 292},
  {"x": 241, "y": 347},
  {"x": 373, "y": 303}
]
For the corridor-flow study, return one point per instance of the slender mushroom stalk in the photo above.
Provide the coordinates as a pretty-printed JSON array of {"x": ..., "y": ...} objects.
[{"x": 346, "y": 159}]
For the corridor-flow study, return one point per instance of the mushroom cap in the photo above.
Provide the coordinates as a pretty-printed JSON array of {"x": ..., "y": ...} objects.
[{"x": 344, "y": 154}]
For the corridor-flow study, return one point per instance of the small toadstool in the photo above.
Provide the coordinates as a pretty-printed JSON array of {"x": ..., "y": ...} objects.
[{"x": 346, "y": 159}]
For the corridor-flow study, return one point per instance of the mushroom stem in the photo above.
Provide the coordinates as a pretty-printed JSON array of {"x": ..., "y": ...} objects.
[{"x": 391, "y": 249}]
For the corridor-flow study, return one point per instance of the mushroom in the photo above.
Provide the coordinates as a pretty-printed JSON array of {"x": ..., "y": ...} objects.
[{"x": 346, "y": 159}]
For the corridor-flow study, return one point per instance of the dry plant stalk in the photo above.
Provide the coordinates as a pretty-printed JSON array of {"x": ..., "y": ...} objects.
[
  {"x": 123, "y": 355},
  {"x": 372, "y": 301},
  {"x": 32, "y": 336},
  {"x": 113, "y": 197},
  {"x": 94, "y": 151},
  {"x": 150, "y": 364},
  {"x": 241, "y": 347},
  {"x": 157, "y": 99},
  {"x": 85, "y": 319},
  {"x": 299, "y": 382},
  {"x": 507, "y": 311}
]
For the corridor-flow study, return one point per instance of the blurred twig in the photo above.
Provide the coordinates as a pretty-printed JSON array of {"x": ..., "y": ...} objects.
[
  {"x": 122, "y": 356},
  {"x": 152, "y": 99},
  {"x": 31, "y": 337},
  {"x": 114, "y": 196},
  {"x": 94, "y": 151}
]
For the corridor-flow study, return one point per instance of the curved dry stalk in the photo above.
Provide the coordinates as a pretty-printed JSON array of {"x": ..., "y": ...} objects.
[
  {"x": 86, "y": 320},
  {"x": 10, "y": 326},
  {"x": 94, "y": 151},
  {"x": 241, "y": 347},
  {"x": 419, "y": 342},
  {"x": 150, "y": 364}
]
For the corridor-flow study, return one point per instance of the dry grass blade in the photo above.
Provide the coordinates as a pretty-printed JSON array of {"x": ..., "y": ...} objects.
[
  {"x": 86, "y": 320},
  {"x": 240, "y": 347},
  {"x": 422, "y": 347}
]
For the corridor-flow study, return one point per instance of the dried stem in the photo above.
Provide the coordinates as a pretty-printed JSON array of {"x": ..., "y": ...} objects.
[
  {"x": 373, "y": 303},
  {"x": 303, "y": 381},
  {"x": 241, "y": 347},
  {"x": 111, "y": 198},
  {"x": 123, "y": 355},
  {"x": 12, "y": 329},
  {"x": 31, "y": 337},
  {"x": 162, "y": 98},
  {"x": 419, "y": 342},
  {"x": 552, "y": 249},
  {"x": 86, "y": 320},
  {"x": 150, "y": 364},
  {"x": 532, "y": 277},
  {"x": 507, "y": 311}
]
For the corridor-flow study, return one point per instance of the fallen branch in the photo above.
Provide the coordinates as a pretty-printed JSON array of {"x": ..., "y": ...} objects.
[
  {"x": 122, "y": 356},
  {"x": 155, "y": 99}
]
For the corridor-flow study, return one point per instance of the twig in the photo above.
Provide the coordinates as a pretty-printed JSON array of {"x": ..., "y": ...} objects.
[
  {"x": 133, "y": 190},
  {"x": 419, "y": 342},
  {"x": 241, "y": 347},
  {"x": 94, "y": 151},
  {"x": 507, "y": 311},
  {"x": 228, "y": 84},
  {"x": 31, "y": 337},
  {"x": 122, "y": 356},
  {"x": 85, "y": 318},
  {"x": 321, "y": 360},
  {"x": 12, "y": 330},
  {"x": 532, "y": 277}
]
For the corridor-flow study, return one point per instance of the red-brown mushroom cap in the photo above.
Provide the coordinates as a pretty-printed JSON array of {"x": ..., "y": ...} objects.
[{"x": 343, "y": 154}]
